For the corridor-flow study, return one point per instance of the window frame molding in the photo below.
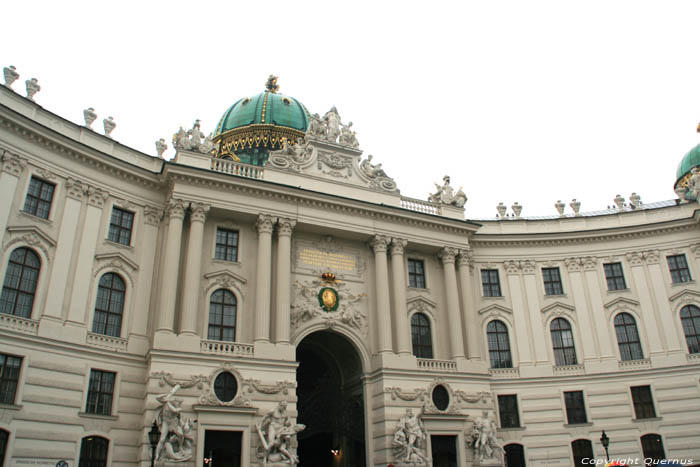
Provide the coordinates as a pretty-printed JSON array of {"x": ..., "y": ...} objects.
[
  {"x": 575, "y": 334},
  {"x": 617, "y": 312},
  {"x": 226, "y": 225},
  {"x": 101, "y": 434},
  {"x": 235, "y": 284},
  {"x": 691, "y": 273},
  {"x": 127, "y": 315},
  {"x": 520, "y": 426},
  {"x": 652, "y": 391},
  {"x": 19, "y": 391},
  {"x": 514, "y": 357},
  {"x": 123, "y": 205},
  {"x": 43, "y": 278},
  {"x": 431, "y": 321},
  {"x": 237, "y": 328},
  {"x": 113, "y": 414},
  {"x": 685, "y": 298},
  {"x": 561, "y": 281},
  {"x": 416, "y": 255},
  {"x": 623, "y": 267},
  {"x": 489, "y": 267},
  {"x": 34, "y": 172},
  {"x": 567, "y": 423}
]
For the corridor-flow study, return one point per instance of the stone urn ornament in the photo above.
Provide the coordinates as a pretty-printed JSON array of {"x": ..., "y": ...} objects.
[
  {"x": 517, "y": 209},
  {"x": 576, "y": 206},
  {"x": 619, "y": 202},
  {"x": 559, "y": 206},
  {"x": 501, "y": 208}
]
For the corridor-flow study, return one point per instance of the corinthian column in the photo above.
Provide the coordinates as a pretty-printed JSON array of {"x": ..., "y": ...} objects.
[
  {"x": 379, "y": 245},
  {"x": 263, "y": 273},
  {"x": 284, "y": 272},
  {"x": 465, "y": 268},
  {"x": 193, "y": 269},
  {"x": 171, "y": 265},
  {"x": 448, "y": 255},
  {"x": 401, "y": 329}
]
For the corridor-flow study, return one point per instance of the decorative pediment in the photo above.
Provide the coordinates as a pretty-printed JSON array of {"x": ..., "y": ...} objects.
[
  {"x": 495, "y": 308},
  {"x": 226, "y": 279},
  {"x": 686, "y": 297},
  {"x": 558, "y": 308},
  {"x": 29, "y": 235},
  {"x": 421, "y": 304},
  {"x": 621, "y": 302},
  {"x": 115, "y": 261}
]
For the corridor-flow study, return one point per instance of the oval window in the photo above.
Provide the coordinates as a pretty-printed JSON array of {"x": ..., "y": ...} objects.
[
  {"x": 225, "y": 387},
  {"x": 441, "y": 398}
]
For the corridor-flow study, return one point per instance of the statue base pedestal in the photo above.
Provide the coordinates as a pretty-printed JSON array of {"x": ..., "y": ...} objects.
[
  {"x": 171, "y": 463},
  {"x": 412, "y": 464},
  {"x": 488, "y": 463}
]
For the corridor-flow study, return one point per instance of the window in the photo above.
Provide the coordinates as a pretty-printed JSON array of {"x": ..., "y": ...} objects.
[
  {"x": 109, "y": 306},
  {"x": 653, "y": 447},
  {"x": 222, "y": 316},
  {"x": 120, "y": 226},
  {"x": 508, "y": 411},
  {"x": 9, "y": 377},
  {"x": 628, "y": 337},
  {"x": 4, "y": 436},
  {"x": 575, "y": 408},
  {"x": 690, "y": 319},
  {"x": 514, "y": 455},
  {"x": 93, "y": 452},
  {"x": 563, "y": 342},
  {"x": 421, "y": 337},
  {"x": 416, "y": 273},
  {"x": 679, "y": 269},
  {"x": 614, "y": 276},
  {"x": 225, "y": 386},
  {"x": 490, "y": 282},
  {"x": 643, "y": 403},
  {"x": 39, "y": 196},
  {"x": 552, "y": 281},
  {"x": 226, "y": 245},
  {"x": 499, "y": 345},
  {"x": 441, "y": 397},
  {"x": 100, "y": 391},
  {"x": 583, "y": 452},
  {"x": 20, "y": 283}
]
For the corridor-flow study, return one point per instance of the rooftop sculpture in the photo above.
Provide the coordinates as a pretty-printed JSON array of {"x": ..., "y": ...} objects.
[
  {"x": 445, "y": 194},
  {"x": 11, "y": 75}
]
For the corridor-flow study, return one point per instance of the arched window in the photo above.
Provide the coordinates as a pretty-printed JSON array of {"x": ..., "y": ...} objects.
[
  {"x": 690, "y": 319},
  {"x": 653, "y": 447},
  {"x": 20, "y": 283},
  {"x": 4, "y": 436},
  {"x": 515, "y": 455},
  {"x": 563, "y": 342},
  {"x": 93, "y": 452},
  {"x": 499, "y": 345},
  {"x": 222, "y": 316},
  {"x": 420, "y": 336},
  {"x": 628, "y": 337},
  {"x": 583, "y": 452},
  {"x": 109, "y": 306}
]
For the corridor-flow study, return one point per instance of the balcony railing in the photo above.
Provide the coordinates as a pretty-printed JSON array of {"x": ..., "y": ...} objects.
[
  {"x": 227, "y": 348},
  {"x": 504, "y": 373},
  {"x": 236, "y": 168},
  {"x": 436, "y": 365},
  {"x": 418, "y": 205},
  {"x": 25, "y": 325}
]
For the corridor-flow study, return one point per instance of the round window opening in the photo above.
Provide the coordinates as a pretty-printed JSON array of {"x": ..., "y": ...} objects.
[
  {"x": 441, "y": 398},
  {"x": 225, "y": 387}
]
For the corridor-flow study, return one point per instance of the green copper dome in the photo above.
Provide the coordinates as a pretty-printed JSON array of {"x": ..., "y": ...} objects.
[
  {"x": 690, "y": 160},
  {"x": 253, "y": 126}
]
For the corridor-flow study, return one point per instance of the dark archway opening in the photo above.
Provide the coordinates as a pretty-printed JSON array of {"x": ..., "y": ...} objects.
[{"x": 330, "y": 402}]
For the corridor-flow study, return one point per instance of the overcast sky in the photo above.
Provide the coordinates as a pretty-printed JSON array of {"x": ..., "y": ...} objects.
[{"x": 528, "y": 101}]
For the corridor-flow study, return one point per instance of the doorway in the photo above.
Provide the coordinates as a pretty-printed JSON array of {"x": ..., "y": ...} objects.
[
  {"x": 330, "y": 402},
  {"x": 222, "y": 448},
  {"x": 444, "y": 450}
]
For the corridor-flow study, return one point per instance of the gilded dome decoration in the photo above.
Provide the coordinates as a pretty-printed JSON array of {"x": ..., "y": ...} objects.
[
  {"x": 255, "y": 125},
  {"x": 684, "y": 171}
]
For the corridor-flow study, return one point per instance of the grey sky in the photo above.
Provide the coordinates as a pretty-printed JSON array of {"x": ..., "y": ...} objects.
[{"x": 518, "y": 101}]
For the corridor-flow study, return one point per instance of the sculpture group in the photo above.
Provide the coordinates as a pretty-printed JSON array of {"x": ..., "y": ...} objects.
[
  {"x": 483, "y": 440},
  {"x": 445, "y": 194},
  {"x": 275, "y": 432},
  {"x": 330, "y": 129},
  {"x": 176, "y": 439},
  {"x": 193, "y": 140},
  {"x": 410, "y": 439}
]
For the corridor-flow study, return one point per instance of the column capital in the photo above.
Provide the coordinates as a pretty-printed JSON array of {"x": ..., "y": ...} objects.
[
  {"x": 379, "y": 243},
  {"x": 397, "y": 246},
  {"x": 152, "y": 215},
  {"x": 265, "y": 223},
  {"x": 634, "y": 258},
  {"x": 175, "y": 209},
  {"x": 652, "y": 256},
  {"x": 448, "y": 255},
  {"x": 198, "y": 212},
  {"x": 12, "y": 163},
  {"x": 285, "y": 226},
  {"x": 573, "y": 264},
  {"x": 466, "y": 258},
  {"x": 589, "y": 263},
  {"x": 96, "y": 196},
  {"x": 76, "y": 188}
]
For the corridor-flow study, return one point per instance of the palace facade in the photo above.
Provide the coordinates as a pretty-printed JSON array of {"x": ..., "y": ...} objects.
[{"x": 249, "y": 270}]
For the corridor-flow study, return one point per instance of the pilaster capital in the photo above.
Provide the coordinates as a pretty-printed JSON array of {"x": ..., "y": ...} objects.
[
  {"x": 695, "y": 249},
  {"x": 466, "y": 258},
  {"x": 75, "y": 188},
  {"x": 379, "y": 243},
  {"x": 652, "y": 256},
  {"x": 175, "y": 209},
  {"x": 265, "y": 224},
  {"x": 573, "y": 264},
  {"x": 397, "y": 246},
  {"x": 12, "y": 163},
  {"x": 590, "y": 263},
  {"x": 448, "y": 255},
  {"x": 635, "y": 258},
  {"x": 198, "y": 212},
  {"x": 528, "y": 266},
  {"x": 285, "y": 226},
  {"x": 152, "y": 215},
  {"x": 512, "y": 266},
  {"x": 96, "y": 196}
]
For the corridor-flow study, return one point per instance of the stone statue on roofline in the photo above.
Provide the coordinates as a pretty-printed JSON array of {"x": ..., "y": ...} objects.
[
  {"x": 332, "y": 122},
  {"x": 694, "y": 183},
  {"x": 445, "y": 194},
  {"x": 194, "y": 140},
  {"x": 161, "y": 147},
  {"x": 348, "y": 137},
  {"x": 317, "y": 129}
]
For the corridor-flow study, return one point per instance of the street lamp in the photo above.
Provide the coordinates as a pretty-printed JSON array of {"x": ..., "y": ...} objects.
[
  {"x": 606, "y": 442},
  {"x": 153, "y": 438}
]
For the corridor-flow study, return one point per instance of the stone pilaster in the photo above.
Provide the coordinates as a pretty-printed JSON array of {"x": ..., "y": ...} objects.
[
  {"x": 284, "y": 278},
  {"x": 466, "y": 264},
  {"x": 148, "y": 245},
  {"x": 171, "y": 265},
  {"x": 448, "y": 256},
  {"x": 193, "y": 269},
  {"x": 12, "y": 167},
  {"x": 401, "y": 327},
  {"x": 264, "y": 225},
  {"x": 379, "y": 245},
  {"x": 646, "y": 300}
]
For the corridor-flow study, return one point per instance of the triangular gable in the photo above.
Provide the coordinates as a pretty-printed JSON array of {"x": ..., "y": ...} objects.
[
  {"x": 495, "y": 307},
  {"x": 119, "y": 257},
  {"x": 555, "y": 305},
  {"x": 620, "y": 301}
]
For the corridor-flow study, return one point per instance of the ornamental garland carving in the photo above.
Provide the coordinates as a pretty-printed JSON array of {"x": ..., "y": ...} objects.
[
  {"x": 458, "y": 399},
  {"x": 167, "y": 378},
  {"x": 293, "y": 158},
  {"x": 340, "y": 166},
  {"x": 209, "y": 396},
  {"x": 306, "y": 306},
  {"x": 31, "y": 239},
  {"x": 281, "y": 386}
]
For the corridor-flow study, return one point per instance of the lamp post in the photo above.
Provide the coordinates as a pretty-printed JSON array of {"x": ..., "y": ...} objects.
[
  {"x": 153, "y": 438},
  {"x": 606, "y": 442}
]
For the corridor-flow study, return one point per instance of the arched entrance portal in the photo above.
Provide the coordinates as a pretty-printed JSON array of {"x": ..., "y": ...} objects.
[{"x": 330, "y": 402}]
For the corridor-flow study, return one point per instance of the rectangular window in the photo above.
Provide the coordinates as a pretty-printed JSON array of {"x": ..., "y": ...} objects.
[
  {"x": 9, "y": 377},
  {"x": 679, "y": 269},
  {"x": 226, "y": 245},
  {"x": 575, "y": 408},
  {"x": 416, "y": 273},
  {"x": 552, "y": 281},
  {"x": 39, "y": 196},
  {"x": 100, "y": 392},
  {"x": 120, "y": 226},
  {"x": 643, "y": 403},
  {"x": 508, "y": 411},
  {"x": 490, "y": 282},
  {"x": 614, "y": 276}
]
